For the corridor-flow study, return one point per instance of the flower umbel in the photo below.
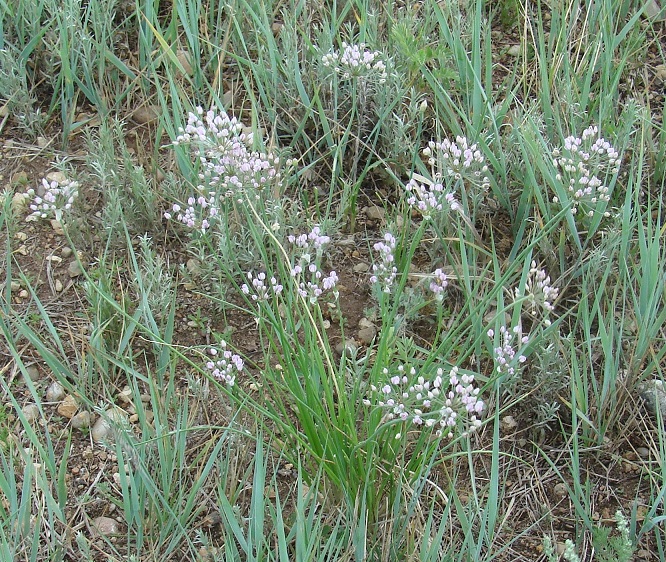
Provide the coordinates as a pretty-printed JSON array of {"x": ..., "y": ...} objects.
[
  {"x": 578, "y": 162},
  {"x": 507, "y": 359},
  {"x": 428, "y": 197},
  {"x": 306, "y": 270},
  {"x": 354, "y": 61},
  {"x": 58, "y": 197},
  {"x": 445, "y": 402},
  {"x": 260, "y": 287},
  {"x": 224, "y": 365},
  {"x": 229, "y": 166},
  {"x": 539, "y": 291},
  {"x": 458, "y": 160},
  {"x": 384, "y": 272},
  {"x": 199, "y": 214},
  {"x": 438, "y": 284}
]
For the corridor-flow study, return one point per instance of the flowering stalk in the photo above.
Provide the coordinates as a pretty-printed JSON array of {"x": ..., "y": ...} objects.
[
  {"x": 229, "y": 168},
  {"x": 228, "y": 164},
  {"x": 429, "y": 197}
]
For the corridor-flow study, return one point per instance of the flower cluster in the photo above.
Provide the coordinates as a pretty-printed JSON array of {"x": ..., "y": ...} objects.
[
  {"x": 259, "y": 289},
  {"x": 577, "y": 164},
  {"x": 199, "y": 214},
  {"x": 384, "y": 272},
  {"x": 58, "y": 197},
  {"x": 229, "y": 167},
  {"x": 539, "y": 291},
  {"x": 438, "y": 284},
  {"x": 428, "y": 197},
  {"x": 224, "y": 365},
  {"x": 355, "y": 61},
  {"x": 311, "y": 282},
  {"x": 313, "y": 239},
  {"x": 457, "y": 160},
  {"x": 429, "y": 403},
  {"x": 506, "y": 357}
]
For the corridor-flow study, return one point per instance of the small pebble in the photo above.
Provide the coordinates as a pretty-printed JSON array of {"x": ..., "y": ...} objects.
[
  {"x": 560, "y": 490},
  {"x": 653, "y": 395},
  {"x": 643, "y": 452},
  {"x": 57, "y": 227},
  {"x": 81, "y": 420},
  {"x": 58, "y": 286},
  {"x": 349, "y": 346},
  {"x": 185, "y": 61},
  {"x": 630, "y": 456},
  {"x": 125, "y": 396},
  {"x": 74, "y": 269},
  {"x": 367, "y": 335},
  {"x": 660, "y": 72},
  {"x": 375, "y": 213},
  {"x": 514, "y": 51},
  {"x": 105, "y": 526},
  {"x": 146, "y": 114},
  {"x": 66, "y": 252},
  {"x": 361, "y": 267},
  {"x": 365, "y": 323},
  {"x": 68, "y": 407},
  {"x": 193, "y": 266},
  {"x": 509, "y": 423},
  {"x": 19, "y": 203},
  {"x": 102, "y": 430},
  {"x": 55, "y": 392},
  {"x": 33, "y": 373},
  {"x": 56, "y": 176},
  {"x": 31, "y": 412}
]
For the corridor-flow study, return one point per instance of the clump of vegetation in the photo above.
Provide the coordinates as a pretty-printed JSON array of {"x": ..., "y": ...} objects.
[{"x": 328, "y": 281}]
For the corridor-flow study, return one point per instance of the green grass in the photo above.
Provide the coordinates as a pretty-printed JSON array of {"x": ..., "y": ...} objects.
[{"x": 297, "y": 460}]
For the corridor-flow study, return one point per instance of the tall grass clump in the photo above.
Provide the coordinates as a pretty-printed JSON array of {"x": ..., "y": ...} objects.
[{"x": 337, "y": 411}]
